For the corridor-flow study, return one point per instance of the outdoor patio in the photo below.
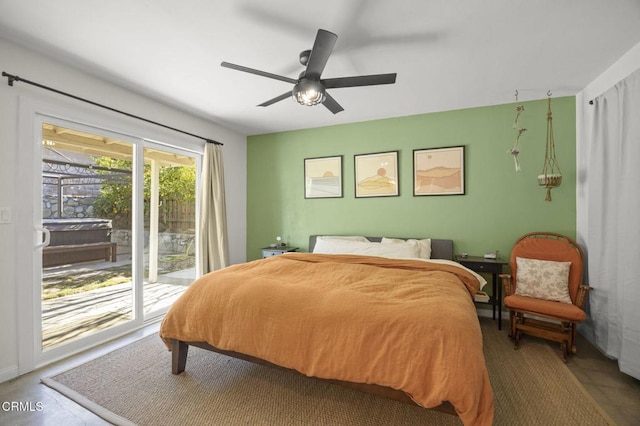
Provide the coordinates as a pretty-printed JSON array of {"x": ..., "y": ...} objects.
[{"x": 70, "y": 317}]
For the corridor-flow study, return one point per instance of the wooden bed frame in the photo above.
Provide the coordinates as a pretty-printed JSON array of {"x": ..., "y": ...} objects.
[{"x": 440, "y": 249}]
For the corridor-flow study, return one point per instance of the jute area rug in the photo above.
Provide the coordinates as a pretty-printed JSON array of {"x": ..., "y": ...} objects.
[{"x": 134, "y": 385}]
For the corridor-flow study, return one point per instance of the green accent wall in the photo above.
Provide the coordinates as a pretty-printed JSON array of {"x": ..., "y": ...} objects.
[{"x": 500, "y": 204}]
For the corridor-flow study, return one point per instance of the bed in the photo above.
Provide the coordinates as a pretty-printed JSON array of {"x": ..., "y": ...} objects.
[{"x": 402, "y": 326}]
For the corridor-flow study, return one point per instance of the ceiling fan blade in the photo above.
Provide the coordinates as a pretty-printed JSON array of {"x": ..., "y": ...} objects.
[
  {"x": 276, "y": 99},
  {"x": 258, "y": 72},
  {"x": 331, "y": 104},
  {"x": 322, "y": 48},
  {"x": 362, "y": 80}
]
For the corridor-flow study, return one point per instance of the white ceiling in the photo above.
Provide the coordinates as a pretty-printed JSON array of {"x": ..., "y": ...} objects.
[{"x": 448, "y": 54}]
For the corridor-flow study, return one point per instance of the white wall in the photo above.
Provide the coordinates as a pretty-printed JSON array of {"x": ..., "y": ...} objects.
[{"x": 39, "y": 68}]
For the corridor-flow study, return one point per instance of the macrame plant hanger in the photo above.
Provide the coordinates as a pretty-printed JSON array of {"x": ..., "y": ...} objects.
[{"x": 551, "y": 176}]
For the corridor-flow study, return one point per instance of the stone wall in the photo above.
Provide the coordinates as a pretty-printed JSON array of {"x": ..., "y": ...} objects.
[
  {"x": 168, "y": 242},
  {"x": 81, "y": 206},
  {"x": 73, "y": 206}
]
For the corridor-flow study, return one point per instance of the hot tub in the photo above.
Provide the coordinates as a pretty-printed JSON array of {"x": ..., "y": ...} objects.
[{"x": 76, "y": 240}]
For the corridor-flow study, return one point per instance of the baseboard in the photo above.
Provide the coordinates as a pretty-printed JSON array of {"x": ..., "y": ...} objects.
[{"x": 9, "y": 373}]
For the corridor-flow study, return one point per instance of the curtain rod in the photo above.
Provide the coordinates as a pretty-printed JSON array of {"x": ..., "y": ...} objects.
[{"x": 11, "y": 78}]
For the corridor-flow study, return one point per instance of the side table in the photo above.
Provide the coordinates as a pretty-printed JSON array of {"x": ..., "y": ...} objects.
[
  {"x": 489, "y": 266},
  {"x": 274, "y": 251}
]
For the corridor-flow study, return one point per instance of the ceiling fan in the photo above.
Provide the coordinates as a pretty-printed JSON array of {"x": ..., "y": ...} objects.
[{"x": 310, "y": 88}]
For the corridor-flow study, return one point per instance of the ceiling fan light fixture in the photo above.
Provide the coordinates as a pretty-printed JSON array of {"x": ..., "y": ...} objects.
[
  {"x": 309, "y": 87},
  {"x": 308, "y": 92}
]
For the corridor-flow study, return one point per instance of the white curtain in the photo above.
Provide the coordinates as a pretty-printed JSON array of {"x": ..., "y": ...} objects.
[
  {"x": 214, "y": 246},
  {"x": 611, "y": 182}
]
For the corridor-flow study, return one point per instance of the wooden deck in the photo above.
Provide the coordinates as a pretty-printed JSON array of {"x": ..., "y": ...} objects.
[{"x": 71, "y": 317}]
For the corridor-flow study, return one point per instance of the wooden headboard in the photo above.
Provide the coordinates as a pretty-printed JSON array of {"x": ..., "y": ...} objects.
[{"x": 440, "y": 249}]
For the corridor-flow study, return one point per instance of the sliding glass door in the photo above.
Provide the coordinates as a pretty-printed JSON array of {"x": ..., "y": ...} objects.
[
  {"x": 118, "y": 234},
  {"x": 87, "y": 193},
  {"x": 169, "y": 227}
]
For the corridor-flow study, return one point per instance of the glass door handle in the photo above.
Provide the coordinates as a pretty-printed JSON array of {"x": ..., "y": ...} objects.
[{"x": 47, "y": 237}]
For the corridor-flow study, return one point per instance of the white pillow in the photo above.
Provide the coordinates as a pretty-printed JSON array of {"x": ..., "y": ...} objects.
[
  {"x": 543, "y": 279},
  {"x": 339, "y": 246},
  {"x": 425, "y": 245},
  {"x": 344, "y": 237}
]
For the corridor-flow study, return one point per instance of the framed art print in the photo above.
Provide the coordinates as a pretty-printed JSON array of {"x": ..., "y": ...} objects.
[
  {"x": 376, "y": 175},
  {"x": 323, "y": 177},
  {"x": 438, "y": 171}
]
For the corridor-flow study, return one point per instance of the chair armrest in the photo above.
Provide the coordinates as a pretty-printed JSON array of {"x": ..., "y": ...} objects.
[
  {"x": 581, "y": 296},
  {"x": 507, "y": 284}
]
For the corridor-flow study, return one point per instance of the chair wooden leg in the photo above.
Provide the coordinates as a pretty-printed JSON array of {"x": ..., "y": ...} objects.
[
  {"x": 565, "y": 349},
  {"x": 516, "y": 332},
  {"x": 512, "y": 325},
  {"x": 572, "y": 338}
]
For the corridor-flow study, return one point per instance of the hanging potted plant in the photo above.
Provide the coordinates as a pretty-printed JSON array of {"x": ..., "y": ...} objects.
[{"x": 551, "y": 176}]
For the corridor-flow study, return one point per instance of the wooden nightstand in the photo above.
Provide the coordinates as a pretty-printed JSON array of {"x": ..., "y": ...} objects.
[
  {"x": 488, "y": 266},
  {"x": 274, "y": 251}
]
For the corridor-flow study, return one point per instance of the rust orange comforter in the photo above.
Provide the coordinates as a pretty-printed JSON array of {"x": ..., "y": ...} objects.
[{"x": 406, "y": 324}]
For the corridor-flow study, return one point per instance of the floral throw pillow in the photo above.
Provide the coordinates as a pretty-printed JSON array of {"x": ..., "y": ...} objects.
[{"x": 543, "y": 279}]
